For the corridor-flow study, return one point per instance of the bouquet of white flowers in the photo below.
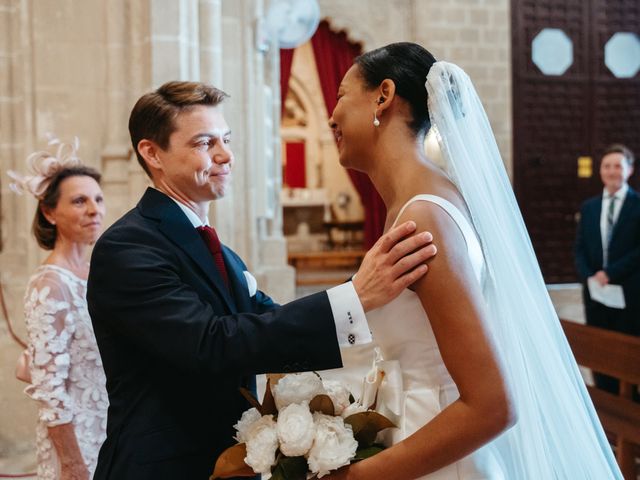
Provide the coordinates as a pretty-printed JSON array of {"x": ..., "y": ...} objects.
[{"x": 305, "y": 426}]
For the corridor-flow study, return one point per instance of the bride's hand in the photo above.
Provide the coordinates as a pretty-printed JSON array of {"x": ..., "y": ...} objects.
[{"x": 396, "y": 261}]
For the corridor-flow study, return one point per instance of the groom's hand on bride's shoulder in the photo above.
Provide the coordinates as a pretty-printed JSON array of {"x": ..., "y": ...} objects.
[{"x": 397, "y": 260}]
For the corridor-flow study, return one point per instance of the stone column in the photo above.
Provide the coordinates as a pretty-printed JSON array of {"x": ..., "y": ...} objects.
[
  {"x": 137, "y": 62},
  {"x": 119, "y": 167},
  {"x": 477, "y": 37},
  {"x": 18, "y": 255},
  {"x": 250, "y": 218},
  {"x": 278, "y": 277},
  {"x": 210, "y": 21},
  {"x": 174, "y": 30}
]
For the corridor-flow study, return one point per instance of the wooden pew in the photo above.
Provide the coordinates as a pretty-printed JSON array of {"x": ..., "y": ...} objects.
[
  {"x": 617, "y": 355},
  {"x": 325, "y": 263},
  {"x": 323, "y": 260}
]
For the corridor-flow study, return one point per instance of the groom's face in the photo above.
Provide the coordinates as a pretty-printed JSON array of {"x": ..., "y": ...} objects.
[{"x": 197, "y": 163}]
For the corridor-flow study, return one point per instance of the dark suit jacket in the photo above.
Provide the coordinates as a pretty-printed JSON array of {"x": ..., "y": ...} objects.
[
  {"x": 624, "y": 250},
  {"x": 176, "y": 344}
]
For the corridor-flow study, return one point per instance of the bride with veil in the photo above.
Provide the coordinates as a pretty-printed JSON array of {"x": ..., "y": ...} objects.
[{"x": 476, "y": 365}]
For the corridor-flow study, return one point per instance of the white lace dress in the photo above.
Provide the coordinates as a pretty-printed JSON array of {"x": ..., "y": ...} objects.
[{"x": 67, "y": 378}]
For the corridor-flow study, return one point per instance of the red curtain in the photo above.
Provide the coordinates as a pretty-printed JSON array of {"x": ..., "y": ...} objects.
[
  {"x": 286, "y": 60},
  {"x": 334, "y": 55},
  {"x": 295, "y": 171}
]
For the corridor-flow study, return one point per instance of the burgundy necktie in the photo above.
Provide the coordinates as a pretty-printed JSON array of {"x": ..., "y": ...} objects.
[{"x": 212, "y": 241}]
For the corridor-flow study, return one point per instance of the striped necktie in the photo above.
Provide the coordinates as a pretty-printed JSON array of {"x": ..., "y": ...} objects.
[{"x": 610, "y": 225}]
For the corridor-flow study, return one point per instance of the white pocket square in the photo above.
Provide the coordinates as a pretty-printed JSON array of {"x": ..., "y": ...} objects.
[{"x": 252, "y": 284}]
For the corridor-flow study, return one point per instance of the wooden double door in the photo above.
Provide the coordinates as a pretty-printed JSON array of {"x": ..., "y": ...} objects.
[{"x": 561, "y": 117}]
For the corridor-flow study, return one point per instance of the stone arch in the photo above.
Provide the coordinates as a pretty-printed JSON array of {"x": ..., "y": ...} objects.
[
  {"x": 356, "y": 30},
  {"x": 313, "y": 107}
]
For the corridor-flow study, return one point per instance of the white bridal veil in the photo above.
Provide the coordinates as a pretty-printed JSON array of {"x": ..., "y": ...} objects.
[{"x": 558, "y": 434}]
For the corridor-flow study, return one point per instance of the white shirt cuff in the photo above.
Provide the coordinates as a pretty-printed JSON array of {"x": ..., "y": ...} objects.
[{"x": 351, "y": 323}]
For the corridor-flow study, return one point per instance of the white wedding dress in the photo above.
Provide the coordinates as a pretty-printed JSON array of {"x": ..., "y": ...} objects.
[
  {"x": 417, "y": 385},
  {"x": 557, "y": 434},
  {"x": 67, "y": 377}
]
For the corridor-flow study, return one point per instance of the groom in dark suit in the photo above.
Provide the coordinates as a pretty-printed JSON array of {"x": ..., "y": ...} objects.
[
  {"x": 608, "y": 248},
  {"x": 178, "y": 319}
]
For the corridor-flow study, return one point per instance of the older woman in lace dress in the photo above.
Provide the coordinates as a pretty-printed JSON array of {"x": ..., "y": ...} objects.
[{"x": 67, "y": 378}]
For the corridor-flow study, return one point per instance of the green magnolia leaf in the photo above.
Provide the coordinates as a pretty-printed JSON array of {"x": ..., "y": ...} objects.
[
  {"x": 366, "y": 426},
  {"x": 231, "y": 464},
  {"x": 322, "y": 404},
  {"x": 268, "y": 402},
  {"x": 366, "y": 452},
  {"x": 290, "y": 468}
]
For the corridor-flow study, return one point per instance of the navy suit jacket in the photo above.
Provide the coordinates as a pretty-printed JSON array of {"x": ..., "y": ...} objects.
[
  {"x": 624, "y": 249},
  {"x": 176, "y": 345}
]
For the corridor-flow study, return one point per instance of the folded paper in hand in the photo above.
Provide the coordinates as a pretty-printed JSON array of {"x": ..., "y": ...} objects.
[{"x": 609, "y": 295}]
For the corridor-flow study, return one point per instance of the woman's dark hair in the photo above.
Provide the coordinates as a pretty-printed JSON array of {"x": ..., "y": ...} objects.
[
  {"x": 43, "y": 230},
  {"x": 407, "y": 64}
]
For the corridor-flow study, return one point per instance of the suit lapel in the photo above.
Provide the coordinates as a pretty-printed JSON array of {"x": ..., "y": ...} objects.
[
  {"x": 625, "y": 212},
  {"x": 238, "y": 282},
  {"x": 177, "y": 228},
  {"x": 596, "y": 228},
  {"x": 240, "y": 288}
]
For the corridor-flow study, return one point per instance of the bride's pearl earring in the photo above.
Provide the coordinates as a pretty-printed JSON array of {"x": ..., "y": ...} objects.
[{"x": 376, "y": 122}]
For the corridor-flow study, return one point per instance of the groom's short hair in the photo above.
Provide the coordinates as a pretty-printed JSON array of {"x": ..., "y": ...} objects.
[{"x": 153, "y": 115}]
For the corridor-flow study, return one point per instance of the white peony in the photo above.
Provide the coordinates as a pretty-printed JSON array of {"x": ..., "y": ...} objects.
[
  {"x": 333, "y": 445},
  {"x": 338, "y": 393},
  {"x": 352, "y": 409},
  {"x": 297, "y": 388},
  {"x": 296, "y": 430},
  {"x": 262, "y": 444},
  {"x": 245, "y": 423}
]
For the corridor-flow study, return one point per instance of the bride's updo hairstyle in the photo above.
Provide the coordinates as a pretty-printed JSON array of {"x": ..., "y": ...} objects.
[{"x": 407, "y": 64}]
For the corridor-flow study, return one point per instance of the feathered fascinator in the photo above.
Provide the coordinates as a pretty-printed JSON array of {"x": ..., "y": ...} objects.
[{"x": 43, "y": 166}]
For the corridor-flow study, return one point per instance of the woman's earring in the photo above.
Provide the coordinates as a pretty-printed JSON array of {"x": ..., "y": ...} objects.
[{"x": 376, "y": 122}]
